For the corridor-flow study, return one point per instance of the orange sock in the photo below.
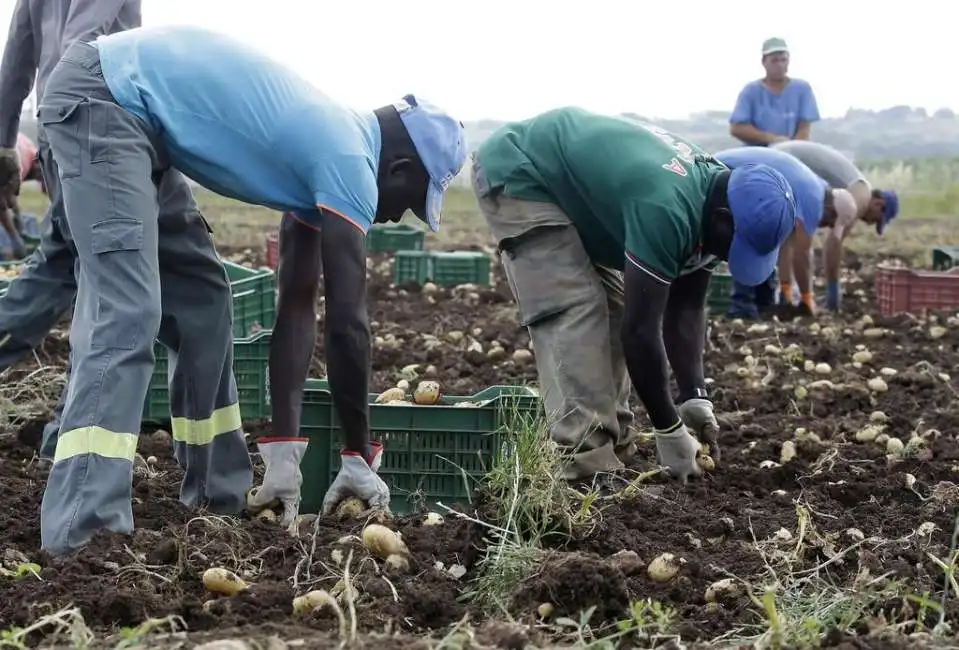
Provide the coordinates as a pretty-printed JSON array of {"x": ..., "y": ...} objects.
[{"x": 808, "y": 300}]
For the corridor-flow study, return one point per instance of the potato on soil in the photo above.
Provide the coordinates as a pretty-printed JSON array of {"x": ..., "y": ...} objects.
[
  {"x": 383, "y": 542},
  {"x": 224, "y": 582},
  {"x": 351, "y": 508},
  {"x": 725, "y": 589},
  {"x": 433, "y": 519},
  {"x": 267, "y": 515},
  {"x": 788, "y": 452},
  {"x": 391, "y": 395},
  {"x": 312, "y": 601},
  {"x": 877, "y": 385},
  {"x": 427, "y": 393},
  {"x": 895, "y": 446},
  {"x": 665, "y": 567},
  {"x": 398, "y": 562}
]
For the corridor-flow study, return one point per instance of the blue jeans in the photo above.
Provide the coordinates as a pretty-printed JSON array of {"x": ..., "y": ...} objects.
[{"x": 747, "y": 302}]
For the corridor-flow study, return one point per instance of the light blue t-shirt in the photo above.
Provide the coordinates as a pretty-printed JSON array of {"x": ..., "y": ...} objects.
[
  {"x": 779, "y": 114},
  {"x": 808, "y": 189},
  {"x": 243, "y": 125}
]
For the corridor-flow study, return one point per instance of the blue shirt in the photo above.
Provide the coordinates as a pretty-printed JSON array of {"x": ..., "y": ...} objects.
[
  {"x": 808, "y": 189},
  {"x": 243, "y": 125},
  {"x": 779, "y": 114}
]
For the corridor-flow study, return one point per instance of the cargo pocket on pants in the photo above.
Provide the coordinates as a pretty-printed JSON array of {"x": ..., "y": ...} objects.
[
  {"x": 116, "y": 245},
  {"x": 548, "y": 271},
  {"x": 62, "y": 126}
]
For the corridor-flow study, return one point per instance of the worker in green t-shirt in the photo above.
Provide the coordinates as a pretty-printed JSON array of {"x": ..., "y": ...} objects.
[{"x": 609, "y": 230}]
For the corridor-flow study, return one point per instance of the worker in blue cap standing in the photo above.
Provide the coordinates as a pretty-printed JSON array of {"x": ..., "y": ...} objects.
[
  {"x": 118, "y": 112},
  {"x": 609, "y": 229},
  {"x": 874, "y": 207},
  {"x": 818, "y": 206}
]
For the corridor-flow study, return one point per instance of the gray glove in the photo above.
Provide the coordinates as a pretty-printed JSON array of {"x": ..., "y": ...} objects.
[
  {"x": 358, "y": 478},
  {"x": 282, "y": 479},
  {"x": 697, "y": 414},
  {"x": 677, "y": 450}
]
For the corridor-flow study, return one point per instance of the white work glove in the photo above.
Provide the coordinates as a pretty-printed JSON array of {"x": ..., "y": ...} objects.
[
  {"x": 282, "y": 479},
  {"x": 677, "y": 449},
  {"x": 357, "y": 478},
  {"x": 697, "y": 414}
]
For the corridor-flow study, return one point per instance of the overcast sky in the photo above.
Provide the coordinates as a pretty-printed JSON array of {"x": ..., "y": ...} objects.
[{"x": 509, "y": 59}]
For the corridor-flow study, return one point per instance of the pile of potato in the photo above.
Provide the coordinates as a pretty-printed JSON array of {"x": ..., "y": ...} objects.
[
  {"x": 9, "y": 271},
  {"x": 427, "y": 393}
]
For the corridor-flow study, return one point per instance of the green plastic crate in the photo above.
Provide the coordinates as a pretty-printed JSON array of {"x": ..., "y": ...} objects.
[
  {"x": 443, "y": 269},
  {"x": 720, "y": 291},
  {"x": 431, "y": 453},
  {"x": 254, "y": 298},
  {"x": 251, "y": 357},
  {"x": 411, "y": 266},
  {"x": 384, "y": 238},
  {"x": 945, "y": 257}
]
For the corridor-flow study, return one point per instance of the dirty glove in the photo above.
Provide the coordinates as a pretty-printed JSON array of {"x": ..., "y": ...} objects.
[
  {"x": 282, "y": 480},
  {"x": 833, "y": 296},
  {"x": 807, "y": 306},
  {"x": 697, "y": 414},
  {"x": 357, "y": 478},
  {"x": 677, "y": 449}
]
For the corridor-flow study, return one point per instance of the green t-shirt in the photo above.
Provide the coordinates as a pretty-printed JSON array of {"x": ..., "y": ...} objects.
[{"x": 632, "y": 190}]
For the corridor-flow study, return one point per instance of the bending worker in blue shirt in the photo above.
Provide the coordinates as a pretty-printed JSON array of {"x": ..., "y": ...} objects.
[
  {"x": 818, "y": 206},
  {"x": 121, "y": 110}
]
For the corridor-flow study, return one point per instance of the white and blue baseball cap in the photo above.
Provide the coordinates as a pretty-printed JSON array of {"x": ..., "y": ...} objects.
[{"x": 440, "y": 141}]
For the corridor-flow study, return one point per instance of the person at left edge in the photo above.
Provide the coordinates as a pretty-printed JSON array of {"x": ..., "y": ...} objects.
[{"x": 251, "y": 129}]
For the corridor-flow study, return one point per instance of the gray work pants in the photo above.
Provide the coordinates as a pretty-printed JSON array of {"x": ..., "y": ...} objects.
[
  {"x": 46, "y": 287},
  {"x": 109, "y": 162},
  {"x": 43, "y": 291},
  {"x": 573, "y": 309}
]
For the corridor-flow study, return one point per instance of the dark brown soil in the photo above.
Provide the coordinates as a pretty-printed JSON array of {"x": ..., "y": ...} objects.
[{"x": 841, "y": 510}]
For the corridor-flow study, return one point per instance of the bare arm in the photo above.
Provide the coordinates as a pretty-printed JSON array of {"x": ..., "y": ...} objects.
[
  {"x": 643, "y": 346},
  {"x": 832, "y": 253},
  {"x": 347, "y": 328},
  {"x": 785, "y": 269},
  {"x": 749, "y": 134},
  {"x": 803, "y": 131},
  {"x": 684, "y": 331},
  {"x": 801, "y": 250},
  {"x": 294, "y": 332},
  {"x": 18, "y": 70},
  {"x": 6, "y": 220}
]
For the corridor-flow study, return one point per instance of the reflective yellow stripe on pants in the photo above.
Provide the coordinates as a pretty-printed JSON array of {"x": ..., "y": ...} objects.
[
  {"x": 202, "y": 432},
  {"x": 96, "y": 440}
]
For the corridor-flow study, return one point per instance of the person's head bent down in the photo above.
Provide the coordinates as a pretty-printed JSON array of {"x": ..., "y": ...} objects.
[
  {"x": 883, "y": 208},
  {"x": 423, "y": 150},
  {"x": 750, "y": 220},
  {"x": 839, "y": 209}
]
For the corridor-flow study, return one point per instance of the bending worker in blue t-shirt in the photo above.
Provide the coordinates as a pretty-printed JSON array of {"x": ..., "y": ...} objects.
[
  {"x": 120, "y": 111},
  {"x": 818, "y": 206}
]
